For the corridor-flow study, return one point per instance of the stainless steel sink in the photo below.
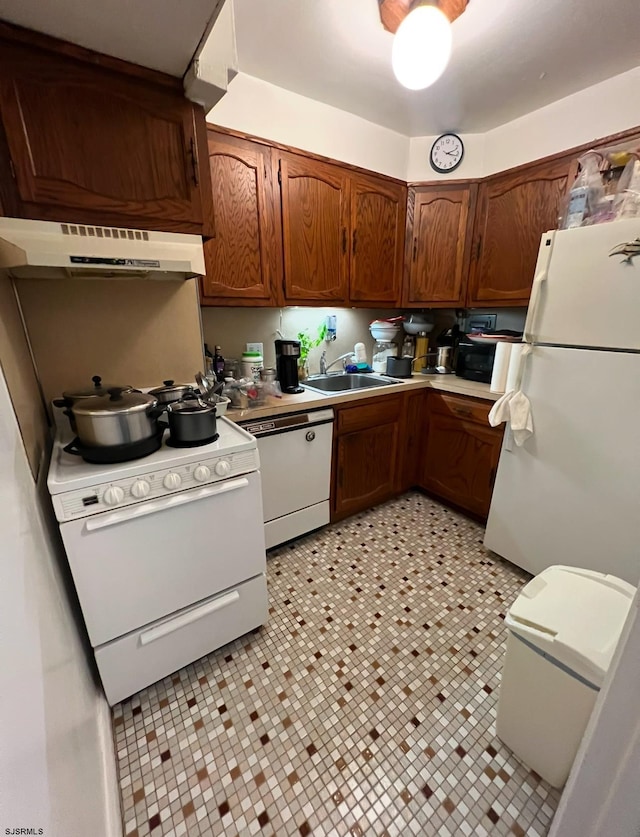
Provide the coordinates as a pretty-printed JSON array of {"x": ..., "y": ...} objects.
[{"x": 345, "y": 382}]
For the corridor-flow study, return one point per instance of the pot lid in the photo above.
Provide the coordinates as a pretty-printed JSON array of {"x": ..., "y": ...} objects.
[
  {"x": 171, "y": 388},
  {"x": 193, "y": 405},
  {"x": 98, "y": 388},
  {"x": 116, "y": 401}
]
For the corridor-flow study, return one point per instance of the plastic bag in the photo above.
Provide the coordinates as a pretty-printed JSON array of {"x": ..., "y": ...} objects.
[
  {"x": 626, "y": 203},
  {"x": 586, "y": 193}
]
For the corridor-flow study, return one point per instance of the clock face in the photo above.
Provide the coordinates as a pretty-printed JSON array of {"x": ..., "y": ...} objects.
[{"x": 446, "y": 153}]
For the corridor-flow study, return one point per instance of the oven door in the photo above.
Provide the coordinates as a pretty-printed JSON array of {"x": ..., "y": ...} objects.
[{"x": 134, "y": 565}]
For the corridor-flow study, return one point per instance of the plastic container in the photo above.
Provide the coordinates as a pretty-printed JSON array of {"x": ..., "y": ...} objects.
[
  {"x": 562, "y": 632},
  {"x": 360, "y": 353},
  {"x": 252, "y": 363},
  {"x": 381, "y": 351}
]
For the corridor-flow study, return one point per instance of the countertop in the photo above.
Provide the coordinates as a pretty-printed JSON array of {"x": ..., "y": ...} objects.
[{"x": 308, "y": 400}]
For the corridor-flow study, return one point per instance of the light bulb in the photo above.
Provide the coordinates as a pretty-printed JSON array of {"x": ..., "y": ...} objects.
[{"x": 421, "y": 47}]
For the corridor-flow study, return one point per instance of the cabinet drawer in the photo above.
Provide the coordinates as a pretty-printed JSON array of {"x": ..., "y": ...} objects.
[
  {"x": 384, "y": 411},
  {"x": 147, "y": 655},
  {"x": 463, "y": 408}
]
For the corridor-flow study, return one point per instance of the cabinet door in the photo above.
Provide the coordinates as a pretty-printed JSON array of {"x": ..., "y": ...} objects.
[
  {"x": 441, "y": 222},
  {"x": 89, "y": 144},
  {"x": 460, "y": 458},
  {"x": 378, "y": 210},
  {"x": 513, "y": 212},
  {"x": 366, "y": 469},
  {"x": 315, "y": 221},
  {"x": 413, "y": 433},
  {"x": 239, "y": 258}
]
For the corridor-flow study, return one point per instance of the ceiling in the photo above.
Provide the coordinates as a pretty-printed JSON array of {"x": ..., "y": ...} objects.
[
  {"x": 509, "y": 57},
  {"x": 160, "y": 34}
]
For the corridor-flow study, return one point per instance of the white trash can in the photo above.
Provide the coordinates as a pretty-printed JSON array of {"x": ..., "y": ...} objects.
[{"x": 562, "y": 631}]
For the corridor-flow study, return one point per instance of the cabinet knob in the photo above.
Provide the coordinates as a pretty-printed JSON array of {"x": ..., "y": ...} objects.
[{"x": 311, "y": 435}]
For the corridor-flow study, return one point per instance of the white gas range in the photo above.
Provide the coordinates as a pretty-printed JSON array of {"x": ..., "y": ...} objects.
[{"x": 167, "y": 552}]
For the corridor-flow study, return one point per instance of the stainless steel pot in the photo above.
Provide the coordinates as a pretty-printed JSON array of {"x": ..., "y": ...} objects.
[
  {"x": 191, "y": 422},
  {"x": 71, "y": 396},
  {"x": 171, "y": 392},
  {"x": 119, "y": 418}
]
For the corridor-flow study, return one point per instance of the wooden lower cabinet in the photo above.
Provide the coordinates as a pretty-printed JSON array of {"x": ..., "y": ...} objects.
[
  {"x": 365, "y": 455},
  {"x": 460, "y": 452},
  {"x": 412, "y": 435}
]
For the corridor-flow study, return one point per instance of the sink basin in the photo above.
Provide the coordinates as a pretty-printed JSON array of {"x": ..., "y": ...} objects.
[{"x": 345, "y": 383}]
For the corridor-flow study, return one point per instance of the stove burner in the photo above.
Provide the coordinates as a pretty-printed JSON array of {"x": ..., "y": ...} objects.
[
  {"x": 175, "y": 444},
  {"x": 109, "y": 454}
]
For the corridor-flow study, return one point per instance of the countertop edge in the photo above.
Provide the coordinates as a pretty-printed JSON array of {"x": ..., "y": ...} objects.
[{"x": 317, "y": 401}]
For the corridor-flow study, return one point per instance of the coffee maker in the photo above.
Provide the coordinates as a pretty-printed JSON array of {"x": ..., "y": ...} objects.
[{"x": 287, "y": 356}]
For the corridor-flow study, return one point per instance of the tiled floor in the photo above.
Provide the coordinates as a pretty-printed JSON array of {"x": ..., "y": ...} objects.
[{"x": 365, "y": 706}]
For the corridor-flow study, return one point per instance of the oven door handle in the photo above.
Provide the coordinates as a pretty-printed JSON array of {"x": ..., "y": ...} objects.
[
  {"x": 163, "y": 504},
  {"x": 188, "y": 618}
]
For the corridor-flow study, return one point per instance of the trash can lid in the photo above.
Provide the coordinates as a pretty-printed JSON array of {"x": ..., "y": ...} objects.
[{"x": 575, "y": 616}]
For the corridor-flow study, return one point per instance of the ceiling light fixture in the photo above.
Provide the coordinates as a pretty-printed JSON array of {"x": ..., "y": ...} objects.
[{"x": 422, "y": 44}]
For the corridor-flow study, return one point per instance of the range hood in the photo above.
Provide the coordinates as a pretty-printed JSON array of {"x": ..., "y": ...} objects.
[{"x": 45, "y": 249}]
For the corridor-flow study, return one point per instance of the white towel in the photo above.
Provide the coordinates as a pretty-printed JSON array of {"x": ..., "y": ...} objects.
[
  {"x": 520, "y": 417},
  {"x": 500, "y": 410}
]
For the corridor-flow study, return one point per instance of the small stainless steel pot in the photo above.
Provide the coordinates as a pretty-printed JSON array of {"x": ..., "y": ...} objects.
[
  {"x": 171, "y": 392},
  {"x": 119, "y": 418},
  {"x": 191, "y": 421}
]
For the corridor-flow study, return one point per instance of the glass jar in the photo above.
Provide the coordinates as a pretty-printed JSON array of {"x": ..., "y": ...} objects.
[{"x": 383, "y": 349}]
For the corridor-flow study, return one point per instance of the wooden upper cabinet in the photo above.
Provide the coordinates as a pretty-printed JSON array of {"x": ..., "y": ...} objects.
[
  {"x": 239, "y": 258},
  {"x": 513, "y": 211},
  {"x": 440, "y": 219},
  {"x": 315, "y": 229},
  {"x": 93, "y": 145},
  {"x": 378, "y": 210}
]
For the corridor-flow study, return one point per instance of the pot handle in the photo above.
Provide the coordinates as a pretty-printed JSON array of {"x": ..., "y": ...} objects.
[{"x": 72, "y": 447}]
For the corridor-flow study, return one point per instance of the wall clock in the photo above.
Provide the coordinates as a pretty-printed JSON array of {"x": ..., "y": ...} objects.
[{"x": 446, "y": 153}]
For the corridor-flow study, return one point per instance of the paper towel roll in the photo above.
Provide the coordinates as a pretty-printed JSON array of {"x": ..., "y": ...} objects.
[
  {"x": 514, "y": 366},
  {"x": 500, "y": 367}
]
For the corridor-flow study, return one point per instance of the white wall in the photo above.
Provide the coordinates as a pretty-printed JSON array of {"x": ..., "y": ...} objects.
[
  {"x": 57, "y": 766},
  {"x": 267, "y": 111},
  {"x": 597, "y": 111}
]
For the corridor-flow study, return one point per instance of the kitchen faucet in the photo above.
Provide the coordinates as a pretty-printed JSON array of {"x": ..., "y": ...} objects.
[{"x": 324, "y": 366}]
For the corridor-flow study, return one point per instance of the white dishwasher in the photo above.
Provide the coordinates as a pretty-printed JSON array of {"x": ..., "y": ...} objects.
[{"x": 295, "y": 464}]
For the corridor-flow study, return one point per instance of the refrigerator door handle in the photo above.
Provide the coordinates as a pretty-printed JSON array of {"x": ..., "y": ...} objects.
[{"x": 536, "y": 288}]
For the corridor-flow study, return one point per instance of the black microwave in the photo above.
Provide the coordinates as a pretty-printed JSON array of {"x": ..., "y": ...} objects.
[{"x": 475, "y": 361}]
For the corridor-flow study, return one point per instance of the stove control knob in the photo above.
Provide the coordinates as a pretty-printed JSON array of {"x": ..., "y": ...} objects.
[
  {"x": 172, "y": 481},
  {"x": 201, "y": 473},
  {"x": 140, "y": 489},
  {"x": 223, "y": 468},
  {"x": 113, "y": 495}
]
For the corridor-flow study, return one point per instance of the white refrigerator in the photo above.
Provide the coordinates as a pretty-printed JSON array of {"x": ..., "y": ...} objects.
[{"x": 571, "y": 493}]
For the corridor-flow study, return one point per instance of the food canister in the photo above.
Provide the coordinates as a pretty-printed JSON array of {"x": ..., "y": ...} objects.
[{"x": 251, "y": 365}]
